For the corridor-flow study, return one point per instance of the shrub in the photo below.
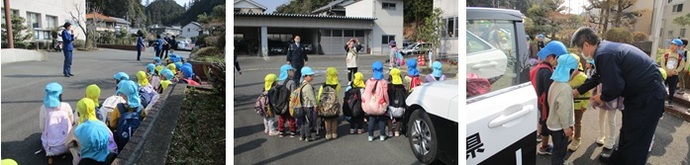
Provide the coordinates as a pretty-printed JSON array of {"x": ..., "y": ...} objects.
[
  {"x": 208, "y": 51},
  {"x": 619, "y": 35},
  {"x": 639, "y": 37}
]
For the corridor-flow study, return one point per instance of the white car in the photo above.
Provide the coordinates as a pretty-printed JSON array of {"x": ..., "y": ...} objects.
[
  {"x": 183, "y": 45},
  {"x": 485, "y": 60},
  {"x": 502, "y": 121},
  {"x": 431, "y": 121}
]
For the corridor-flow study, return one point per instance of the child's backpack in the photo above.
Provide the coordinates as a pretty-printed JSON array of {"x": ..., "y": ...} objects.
[
  {"x": 680, "y": 58},
  {"x": 127, "y": 124},
  {"x": 396, "y": 96},
  {"x": 352, "y": 102},
  {"x": 57, "y": 128},
  {"x": 261, "y": 106},
  {"x": 372, "y": 98},
  {"x": 477, "y": 85},
  {"x": 296, "y": 106},
  {"x": 109, "y": 105},
  {"x": 329, "y": 105},
  {"x": 414, "y": 82},
  {"x": 399, "y": 59},
  {"x": 146, "y": 94},
  {"x": 278, "y": 98},
  {"x": 430, "y": 78}
]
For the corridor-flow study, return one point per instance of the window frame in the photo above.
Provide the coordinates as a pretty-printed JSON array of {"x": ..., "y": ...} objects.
[
  {"x": 387, "y": 39},
  {"x": 388, "y": 5}
]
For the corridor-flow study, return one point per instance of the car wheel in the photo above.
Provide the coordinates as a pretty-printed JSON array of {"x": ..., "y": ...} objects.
[{"x": 422, "y": 137}]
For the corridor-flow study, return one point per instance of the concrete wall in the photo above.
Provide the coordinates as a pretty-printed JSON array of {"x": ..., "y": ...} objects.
[
  {"x": 55, "y": 8},
  {"x": 644, "y": 22},
  {"x": 190, "y": 30},
  {"x": 668, "y": 25},
  {"x": 449, "y": 45},
  {"x": 19, "y": 55},
  {"x": 388, "y": 22}
]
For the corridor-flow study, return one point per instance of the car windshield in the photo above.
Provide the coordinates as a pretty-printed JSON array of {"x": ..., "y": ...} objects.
[{"x": 410, "y": 46}]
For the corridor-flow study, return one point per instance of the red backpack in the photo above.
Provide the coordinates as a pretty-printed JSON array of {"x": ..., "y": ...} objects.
[
  {"x": 542, "y": 105},
  {"x": 414, "y": 82}
]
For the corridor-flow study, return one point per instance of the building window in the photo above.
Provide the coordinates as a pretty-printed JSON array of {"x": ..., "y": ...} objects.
[
  {"x": 337, "y": 33},
  {"x": 669, "y": 1},
  {"x": 388, "y": 6},
  {"x": 677, "y": 8},
  {"x": 51, "y": 21},
  {"x": 33, "y": 19},
  {"x": 682, "y": 33},
  {"x": 237, "y": 10},
  {"x": 452, "y": 27},
  {"x": 359, "y": 33},
  {"x": 387, "y": 38},
  {"x": 349, "y": 33}
]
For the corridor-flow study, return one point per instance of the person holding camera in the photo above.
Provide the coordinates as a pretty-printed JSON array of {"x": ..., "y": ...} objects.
[{"x": 352, "y": 47}]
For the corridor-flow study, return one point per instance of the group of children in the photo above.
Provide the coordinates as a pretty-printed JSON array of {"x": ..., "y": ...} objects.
[
  {"x": 554, "y": 79},
  {"x": 377, "y": 101},
  {"x": 98, "y": 130}
]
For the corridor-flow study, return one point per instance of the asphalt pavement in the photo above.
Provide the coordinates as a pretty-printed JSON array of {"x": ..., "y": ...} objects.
[
  {"x": 670, "y": 145},
  {"x": 252, "y": 146},
  {"x": 23, "y": 85}
]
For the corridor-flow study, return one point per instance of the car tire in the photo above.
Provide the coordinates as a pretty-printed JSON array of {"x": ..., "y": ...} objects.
[{"x": 422, "y": 137}]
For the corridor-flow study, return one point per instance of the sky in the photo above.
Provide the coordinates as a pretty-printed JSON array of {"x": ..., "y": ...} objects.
[
  {"x": 271, "y": 4},
  {"x": 575, "y": 5}
]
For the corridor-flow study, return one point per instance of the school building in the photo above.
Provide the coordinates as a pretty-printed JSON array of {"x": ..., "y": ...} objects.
[
  {"x": 43, "y": 15},
  {"x": 373, "y": 22}
]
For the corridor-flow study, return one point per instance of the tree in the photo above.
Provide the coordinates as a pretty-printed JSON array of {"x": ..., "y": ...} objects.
[
  {"x": 547, "y": 17},
  {"x": 615, "y": 13},
  {"x": 682, "y": 20},
  {"x": 619, "y": 35},
  {"x": 432, "y": 30},
  {"x": 19, "y": 30},
  {"x": 301, "y": 6},
  {"x": 88, "y": 27},
  {"x": 196, "y": 8},
  {"x": 163, "y": 12}
]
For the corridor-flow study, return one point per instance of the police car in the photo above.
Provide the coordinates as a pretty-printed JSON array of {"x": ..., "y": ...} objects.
[
  {"x": 502, "y": 120},
  {"x": 432, "y": 122}
]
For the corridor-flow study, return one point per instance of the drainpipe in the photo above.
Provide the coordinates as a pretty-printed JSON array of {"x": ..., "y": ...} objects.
[{"x": 8, "y": 22}]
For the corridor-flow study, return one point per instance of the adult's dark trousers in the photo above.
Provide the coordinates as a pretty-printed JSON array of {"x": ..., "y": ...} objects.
[
  {"x": 298, "y": 71},
  {"x": 138, "y": 54},
  {"x": 67, "y": 65},
  {"x": 640, "y": 118},
  {"x": 351, "y": 73},
  {"x": 672, "y": 82},
  {"x": 158, "y": 54},
  {"x": 165, "y": 53},
  {"x": 560, "y": 144}
]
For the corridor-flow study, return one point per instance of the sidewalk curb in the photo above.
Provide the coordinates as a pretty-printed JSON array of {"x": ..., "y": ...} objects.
[
  {"x": 21, "y": 55},
  {"x": 681, "y": 110}
]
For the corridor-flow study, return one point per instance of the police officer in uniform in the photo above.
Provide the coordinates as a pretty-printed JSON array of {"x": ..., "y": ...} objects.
[
  {"x": 624, "y": 70},
  {"x": 297, "y": 57}
]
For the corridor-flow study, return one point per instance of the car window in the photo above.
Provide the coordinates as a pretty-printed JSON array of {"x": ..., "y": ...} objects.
[
  {"x": 500, "y": 34},
  {"x": 475, "y": 44}
]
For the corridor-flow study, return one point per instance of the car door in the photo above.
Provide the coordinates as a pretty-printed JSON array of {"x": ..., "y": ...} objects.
[
  {"x": 483, "y": 59},
  {"x": 501, "y": 123}
]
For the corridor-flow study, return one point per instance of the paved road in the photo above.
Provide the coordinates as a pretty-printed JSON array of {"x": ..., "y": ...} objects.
[
  {"x": 670, "y": 145},
  {"x": 23, "y": 86},
  {"x": 252, "y": 146}
]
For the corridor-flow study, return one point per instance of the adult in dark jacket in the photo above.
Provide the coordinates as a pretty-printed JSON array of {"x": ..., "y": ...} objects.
[
  {"x": 140, "y": 47},
  {"x": 166, "y": 45},
  {"x": 297, "y": 57},
  {"x": 159, "y": 47},
  {"x": 67, "y": 40},
  {"x": 624, "y": 70}
]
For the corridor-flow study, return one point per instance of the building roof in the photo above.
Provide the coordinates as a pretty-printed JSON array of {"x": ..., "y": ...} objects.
[
  {"x": 194, "y": 23},
  {"x": 303, "y": 16},
  {"x": 329, "y": 6},
  {"x": 100, "y": 16},
  {"x": 120, "y": 20},
  {"x": 253, "y": 3}
]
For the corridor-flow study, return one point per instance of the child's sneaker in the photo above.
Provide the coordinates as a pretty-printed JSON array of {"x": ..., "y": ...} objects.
[
  {"x": 601, "y": 140},
  {"x": 301, "y": 138},
  {"x": 397, "y": 133},
  {"x": 282, "y": 134},
  {"x": 382, "y": 138},
  {"x": 538, "y": 138},
  {"x": 352, "y": 131},
  {"x": 292, "y": 134},
  {"x": 545, "y": 151},
  {"x": 573, "y": 146},
  {"x": 273, "y": 133},
  {"x": 360, "y": 131},
  {"x": 609, "y": 144},
  {"x": 371, "y": 138},
  {"x": 390, "y": 133}
]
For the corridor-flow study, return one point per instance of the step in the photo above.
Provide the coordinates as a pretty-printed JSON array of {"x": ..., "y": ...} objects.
[{"x": 678, "y": 110}]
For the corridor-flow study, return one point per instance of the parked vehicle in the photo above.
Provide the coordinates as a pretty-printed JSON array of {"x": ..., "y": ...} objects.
[
  {"x": 502, "y": 120},
  {"x": 416, "y": 48},
  {"x": 431, "y": 121},
  {"x": 277, "y": 47},
  {"x": 184, "y": 45}
]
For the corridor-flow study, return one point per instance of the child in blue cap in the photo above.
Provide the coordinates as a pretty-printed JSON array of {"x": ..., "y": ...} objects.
[
  {"x": 673, "y": 63},
  {"x": 561, "y": 117}
]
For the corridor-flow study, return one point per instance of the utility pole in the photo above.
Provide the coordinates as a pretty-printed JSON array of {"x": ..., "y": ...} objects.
[
  {"x": 8, "y": 24},
  {"x": 656, "y": 27}
]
